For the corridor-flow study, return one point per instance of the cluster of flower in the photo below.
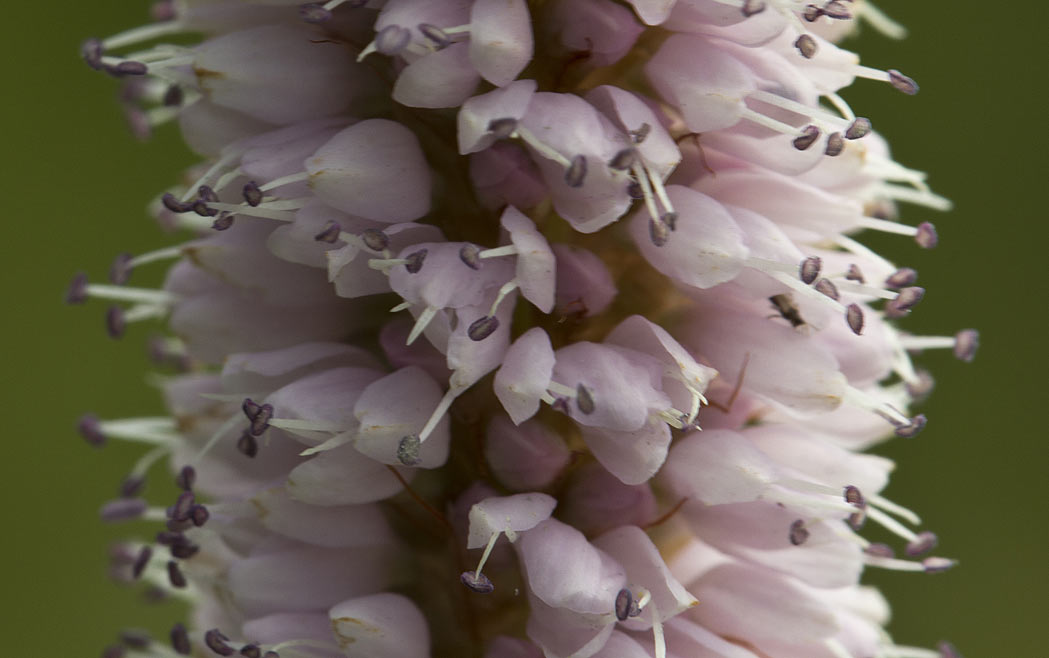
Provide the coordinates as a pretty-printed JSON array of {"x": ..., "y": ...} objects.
[{"x": 621, "y": 219}]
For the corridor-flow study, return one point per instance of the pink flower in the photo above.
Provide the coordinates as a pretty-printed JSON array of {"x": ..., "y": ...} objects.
[{"x": 521, "y": 329}]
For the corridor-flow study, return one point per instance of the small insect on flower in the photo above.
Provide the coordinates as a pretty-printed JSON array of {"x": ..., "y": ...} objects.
[{"x": 787, "y": 309}]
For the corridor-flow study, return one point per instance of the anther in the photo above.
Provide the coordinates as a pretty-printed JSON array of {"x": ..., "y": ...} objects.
[
  {"x": 123, "y": 509},
  {"x": 91, "y": 429},
  {"x": 902, "y": 82},
  {"x": 201, "y": 208},
  {"x": 810, "y": 269},
  {"x": 128, "y": 67},
  {"x": 247, "y": 445},
  {"x": 836, "y": 10},
  {"x": 907, "y": 299},
  {"x": 180, "y": 511},
  {"x": 658, "y": 231},
  {"x": 670, "y": 219},
  {"x": 798, "y": 533},
  {"x": 91, "y": 52},
  {"x": 261, "y": 420},
  {"x": 415, "y": 261},
  {"x": 624, "y": 600},
  {"x": 132, "y": 486},
  {"x": 392, "y": 39},
  {"x": 186, "y": 478},
  {"x": 173, "y": 96},
  {"x": 76, "y": 293},
  {"x": 478, "y": 582},
  {"x": 184, "y": 549},
  {"x": 912, "y": 428},
  {"x": 807, "y": 138},
  {"x": 470, "y": 255},
  {"x": 251, "y": 651},
  {"x": 223, "y": 221},
  {"x": 502, "y": 128},
  {"x": 623, "y": 160},
  {"x": 879, "y": 549},
  {"x": 252, "y": 194},
  {"x": 860, "y": 127},
  {"x": 752, "y": 7},
  {"x": 216, "y": 641},
  {"x": 641, "y": 133},
  {"x": 811, "y": 13},
  {"x": 435, "y": 34},
  {"x": 905, "y": 276},
  {"x": 330, "y": 233},
  {"x": 375, "y": 239},
  {"x": 806, "y": 45},
  {"x": 835, "y": 145},
  {"x": 180, "y": 640},
  {"x": 938, "y": 564},
  {"x": 482, "y": 327},
  {"x": 115, "y": 324},
  {"x": 314, "y": 12},
  {"x": 576, "y": 172},
  {"x": 827, "y": 287},
  {"x": 854, "y": 274},
  {"x": 175, "y": 575},
  {"x": 925, "y": 542},
  {"x": 854, "y": 496},
  {"x": 408, "y": 450},
  {"x": 199, "y": 515},
  {"x": 854, "y": 316},
  {"x": 141, "y": 560},
  {"x": 120, "y": 270},
  {"x": 172, "y": 203},
  {"x": 966, "y": 343},
  {"x": 584, "y": 399}
]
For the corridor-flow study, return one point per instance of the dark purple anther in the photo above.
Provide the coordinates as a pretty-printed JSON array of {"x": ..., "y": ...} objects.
[
  {"x": 186, "y": 478},
  {"x": 470, "y": 255},
  {"x": 478, "y": 582},
  {"x": 375, "y": 239},
  {"x": 584, "y": 399},
  {"x": 415, "y": 261},
  {"x": 966, "y": 342},
  {"x": 854, "y": 274},
  {"x": 76, "y": 293},
  {"x": 250, "y": 408},
  {"x": 435, "y": 34},
  {"x": 183, "y": 505},
  {"x": 175, "y": 575},
  {"x": 392, "y": 39},
  {"x": 141, "y": 560},
  {"x": 907, "y": 298},
  {"x": 206, "y": 193},
  {"x": 123, "y": 509},
  {"x": 902, "y": 82},
  {"x": 835, "y": 145},
  {"x": 329, "y": 234},
  {"x": 623, "y": 602},
  {"x": 854, "y": 496},
  {"x": 836, "y": 10},
  {"x": 561, "y": 404},
  {"x": 132, "y": 486},
  {"x": 798, "y": 534},
  {"x": 670, "y": 219},
  {"x": 926, "y": 236},
  {"x": 905, "y": 276},
  {"x": 129, "y": 67},
  {"x": 247, "y": 445},
  {"x": 880, "y": 550},
  {"x": 752, "y": 7},
  {"x": 184, "y": 549},
  {"x": 91, "y": 51},
  {"x": 251, "y": 193},
  {"x": 120, "y": 270},
  {"x": 261, "y": 421},
  {"x": 482, "y": 327},
  {"x": 224, "y": 221},
  {"x": 938, "y": 564},
  {"x": 860, "y": 127},
  {"x": 201, "y": 208},
  {"x": 199, "y": 515},
  {"x": 216, "y": 641},
  {"x": 408, "y": 450},
  {"x": 811, "y": 13},
  {"x": 857, "y": 520},
  {"x": 912, "y": 428},
  {"x": 180, "y": 640},
  {"x": 806, "y": 45},
  {"x": 576, "y": 172},
  {"x": 314, "y": 12},
  {"x": 948, "y": 650},
  {"x": 172, "y": 203},
  {"x": 251, "y": 651},
  {"x": 854, "y": 316},
  {"x": 623, "y": 160},
  {"x": 925, "y": 542},
  {"x": 173, "y": 96},
  {"x": 658, "y": 231},
  {"x": 827, "y": 287},
  {"x": 641, "y": 134},
  {"x": 91, "y": 429},
  {"x": 635, "y": 191},
  {"x": 810, "y": 269},
  {"x": 134, "y": 638},
  {"x": 115, "y": 324},
  {"x": 502, "y": 128},
  {"x": 808, "y": 137}
]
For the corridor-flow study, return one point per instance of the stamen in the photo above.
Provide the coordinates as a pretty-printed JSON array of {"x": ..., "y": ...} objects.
[
  {"x": 926, "y": 236},
  {"x": 752, "y": 7},
  {"x": 902, "y": 82},
  {"x": 810, "y": 269},
  {"x": 216, "y": 641},
  {"x": 475, "y": 580},
  {"x": 375, "y": 239},
  {"x": 806, "y": 45},
  {"x": 854, "y": 274},
  {"x": 502, "y": 128},
  {"x": 584, "y": 399},
  {"x": 223, "y": 221},
  {"x": 482, "y": 328},
  {"x": 141, "y": 561},
  {"x": 575, "y": 175},
  {"x": 860, "y": 127},
  {"x": 180, "y": 638},
  {"x": 924, "y": 542},
  {"x": 808, "y": 137},
  {"x": 907, "y": 299},
  {"x": 329, "y": 234},
  {"x": 470, "y": 255},
  {"x": 186, "y": 478},
  {"x": 854, "y": 317},
  {"x": 798, "y": 533},
  {"x": 827, "y": 287},
  {"x": 624, "y": 603},
  {"x": 905, "y": 276},
  {"x": 175, "y": 575},
  {"x": 415, "y": 261},
  {"x": 435, "y": 34}
]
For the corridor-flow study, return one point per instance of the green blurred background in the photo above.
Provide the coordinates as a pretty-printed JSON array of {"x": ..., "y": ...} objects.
[{"x": 76, "y": 184}]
